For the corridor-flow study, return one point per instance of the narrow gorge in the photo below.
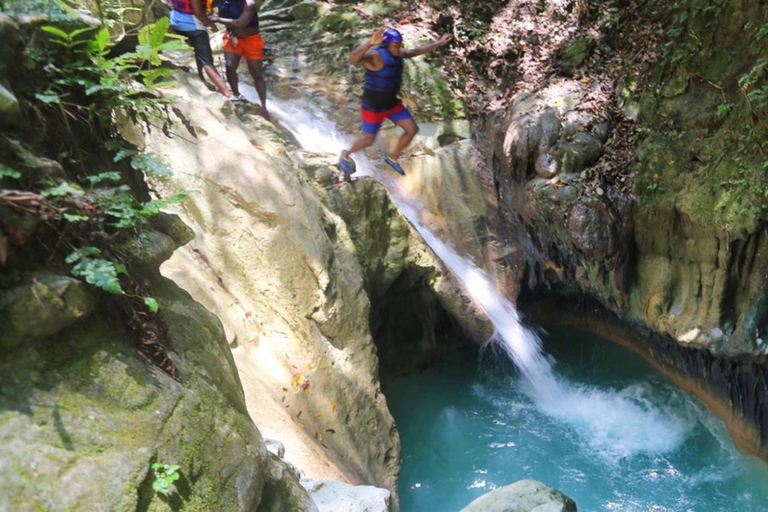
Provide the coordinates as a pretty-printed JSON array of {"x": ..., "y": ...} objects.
[{"x": 562, "y": 303}]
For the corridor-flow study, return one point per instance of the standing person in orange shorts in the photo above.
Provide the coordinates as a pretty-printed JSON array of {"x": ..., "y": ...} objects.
[
  {"x": 242, "y": 38},
  {"x": 190, "y": 19}
]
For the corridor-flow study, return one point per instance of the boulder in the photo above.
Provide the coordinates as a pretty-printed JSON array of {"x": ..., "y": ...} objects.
[
  {"x": 42, "y": 305},
  {"x": 332, "y": 496},
  {"x": 172, "y": 226},
  {"x": 148, "y": 249},
  {"x": 593, "y": 229},
  {"x": 523, "y": 496},
  {"x": 83, "y": 418}
]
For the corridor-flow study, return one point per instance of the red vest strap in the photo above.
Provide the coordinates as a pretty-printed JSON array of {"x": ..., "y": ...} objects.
[{"x": 186, "y": 6}]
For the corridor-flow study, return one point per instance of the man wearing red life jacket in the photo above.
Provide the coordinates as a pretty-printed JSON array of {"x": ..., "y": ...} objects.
[
  {"x": 382, "y": 58},
  {"x": 190, "y": 19},
  {"x": 243, "y": 39}
]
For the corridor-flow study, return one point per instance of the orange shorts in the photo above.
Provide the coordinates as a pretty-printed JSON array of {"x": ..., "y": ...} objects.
[{"x": 252, "y": 47}]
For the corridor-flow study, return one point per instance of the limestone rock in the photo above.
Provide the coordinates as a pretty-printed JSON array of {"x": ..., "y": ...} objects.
[
  {"x": 172, "y": 226},
  {"x": 592, "y": 228},
  {"x": 282, "y": 490},
  {"x": 523, "y": 496},
  {"x": 280, "y": 269},
  {"x": 42, "y": 305},
  {"x": 148, "y": 249},
  {"x": 579, "y": 153},
  {"x": 527, "y": 136},
  {"x": 275, "y": 447},
  {"x": 82, "y": 418},
  {"x": 339, "y": 497}
]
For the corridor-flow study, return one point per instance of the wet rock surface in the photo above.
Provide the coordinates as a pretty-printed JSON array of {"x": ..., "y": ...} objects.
[
  {"x": 523, "y": 496},
  {"x": 332, "y": 496}
]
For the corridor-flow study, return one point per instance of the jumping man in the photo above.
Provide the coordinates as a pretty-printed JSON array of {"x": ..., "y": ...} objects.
[
  {"x": 189, "y": 18},
  {"x": 243, "y": 38},
  {"x": 382, "y": 58}
]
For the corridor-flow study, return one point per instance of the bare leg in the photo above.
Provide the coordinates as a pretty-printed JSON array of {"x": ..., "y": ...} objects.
[
  {"x": 411, "y": 129},
  {"x": 217, "y": 80},
  {"x": 255, "y": 67},
  {"x": 233, "y": 60},
  {"x": 361, "y": 143}
]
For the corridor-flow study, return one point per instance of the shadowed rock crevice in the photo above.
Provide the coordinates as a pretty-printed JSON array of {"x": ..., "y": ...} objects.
[{"x": 409, "y": 324}]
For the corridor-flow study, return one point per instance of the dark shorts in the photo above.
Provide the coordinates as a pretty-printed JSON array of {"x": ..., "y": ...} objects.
[
  {"x": 372, "y": 121},
  {"x": 199, "y": 41}
]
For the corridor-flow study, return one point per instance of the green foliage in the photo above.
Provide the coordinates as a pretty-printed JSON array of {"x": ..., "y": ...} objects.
[
  {"x": 123, "y": 211},
  {"x": 7, "y": 172},
  {"x": 49, "y": 98},
  {"x": 724, "y": 109},
  {"x": 476, "y": 30},
  {"x": 151, "y": 304},
  {"x": 146, "y": 162},
  {"x": 96, "y": 271},
  {"x": 87, "y": 73},
  {"x": 75, "y": 218},
  {"x": 63, "y": 189},
  {"x": 104, "y": 176},
  {"x": 165, "y": 475},
  {"x": 737, "y": 183},
  {"x": 66, "y": 39}
]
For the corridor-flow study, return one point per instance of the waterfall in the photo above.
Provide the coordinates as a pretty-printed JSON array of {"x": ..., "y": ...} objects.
[{"x": 614, "y": 424}]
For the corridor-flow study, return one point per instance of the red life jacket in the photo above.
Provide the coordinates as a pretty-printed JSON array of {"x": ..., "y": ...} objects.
[{"x": 185, "y": 6}]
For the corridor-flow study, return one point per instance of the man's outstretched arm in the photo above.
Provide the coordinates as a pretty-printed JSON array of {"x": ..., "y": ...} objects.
[
  {"x": 421, "y": 50},
  {"x": 360, "y": 55},
  {"x": 200, "y": 14}
]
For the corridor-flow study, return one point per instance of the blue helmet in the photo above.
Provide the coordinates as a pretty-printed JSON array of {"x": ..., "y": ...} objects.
[{"x": 391, "y": 36}]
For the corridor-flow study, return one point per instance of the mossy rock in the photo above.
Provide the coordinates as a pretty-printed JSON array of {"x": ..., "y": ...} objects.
[
  {"x": 578, "y": 154},
  {"x": 337, "y": 21},
  {"x": 41, "y": 305},
  {"x": 171, "y": 225},
  {"x": 82, "y": 419},
  {"x": 148, "y": 249},
  {"x": 573, "y": 56},
  {"x": 304, "y": 11},
  {"x": 381, "y": 8}
]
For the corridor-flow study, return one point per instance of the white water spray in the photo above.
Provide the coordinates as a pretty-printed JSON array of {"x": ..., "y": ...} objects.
[{"x": 614, "y": 424}]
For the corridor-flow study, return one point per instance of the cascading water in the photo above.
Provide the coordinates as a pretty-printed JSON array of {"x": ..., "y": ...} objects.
[
  {"x": 628, "y": 441},
  {"x": 614, "y": 425}
]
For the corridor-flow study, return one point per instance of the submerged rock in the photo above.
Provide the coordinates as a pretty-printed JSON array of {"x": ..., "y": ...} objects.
[{"x": 523, "y": 496}]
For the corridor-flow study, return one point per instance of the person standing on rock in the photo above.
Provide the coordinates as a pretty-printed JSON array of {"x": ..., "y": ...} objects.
[
  {"x": 243, "y": 39},
  {"x": 382, "y": 57},
  {"x": 189, "y": 18}
]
